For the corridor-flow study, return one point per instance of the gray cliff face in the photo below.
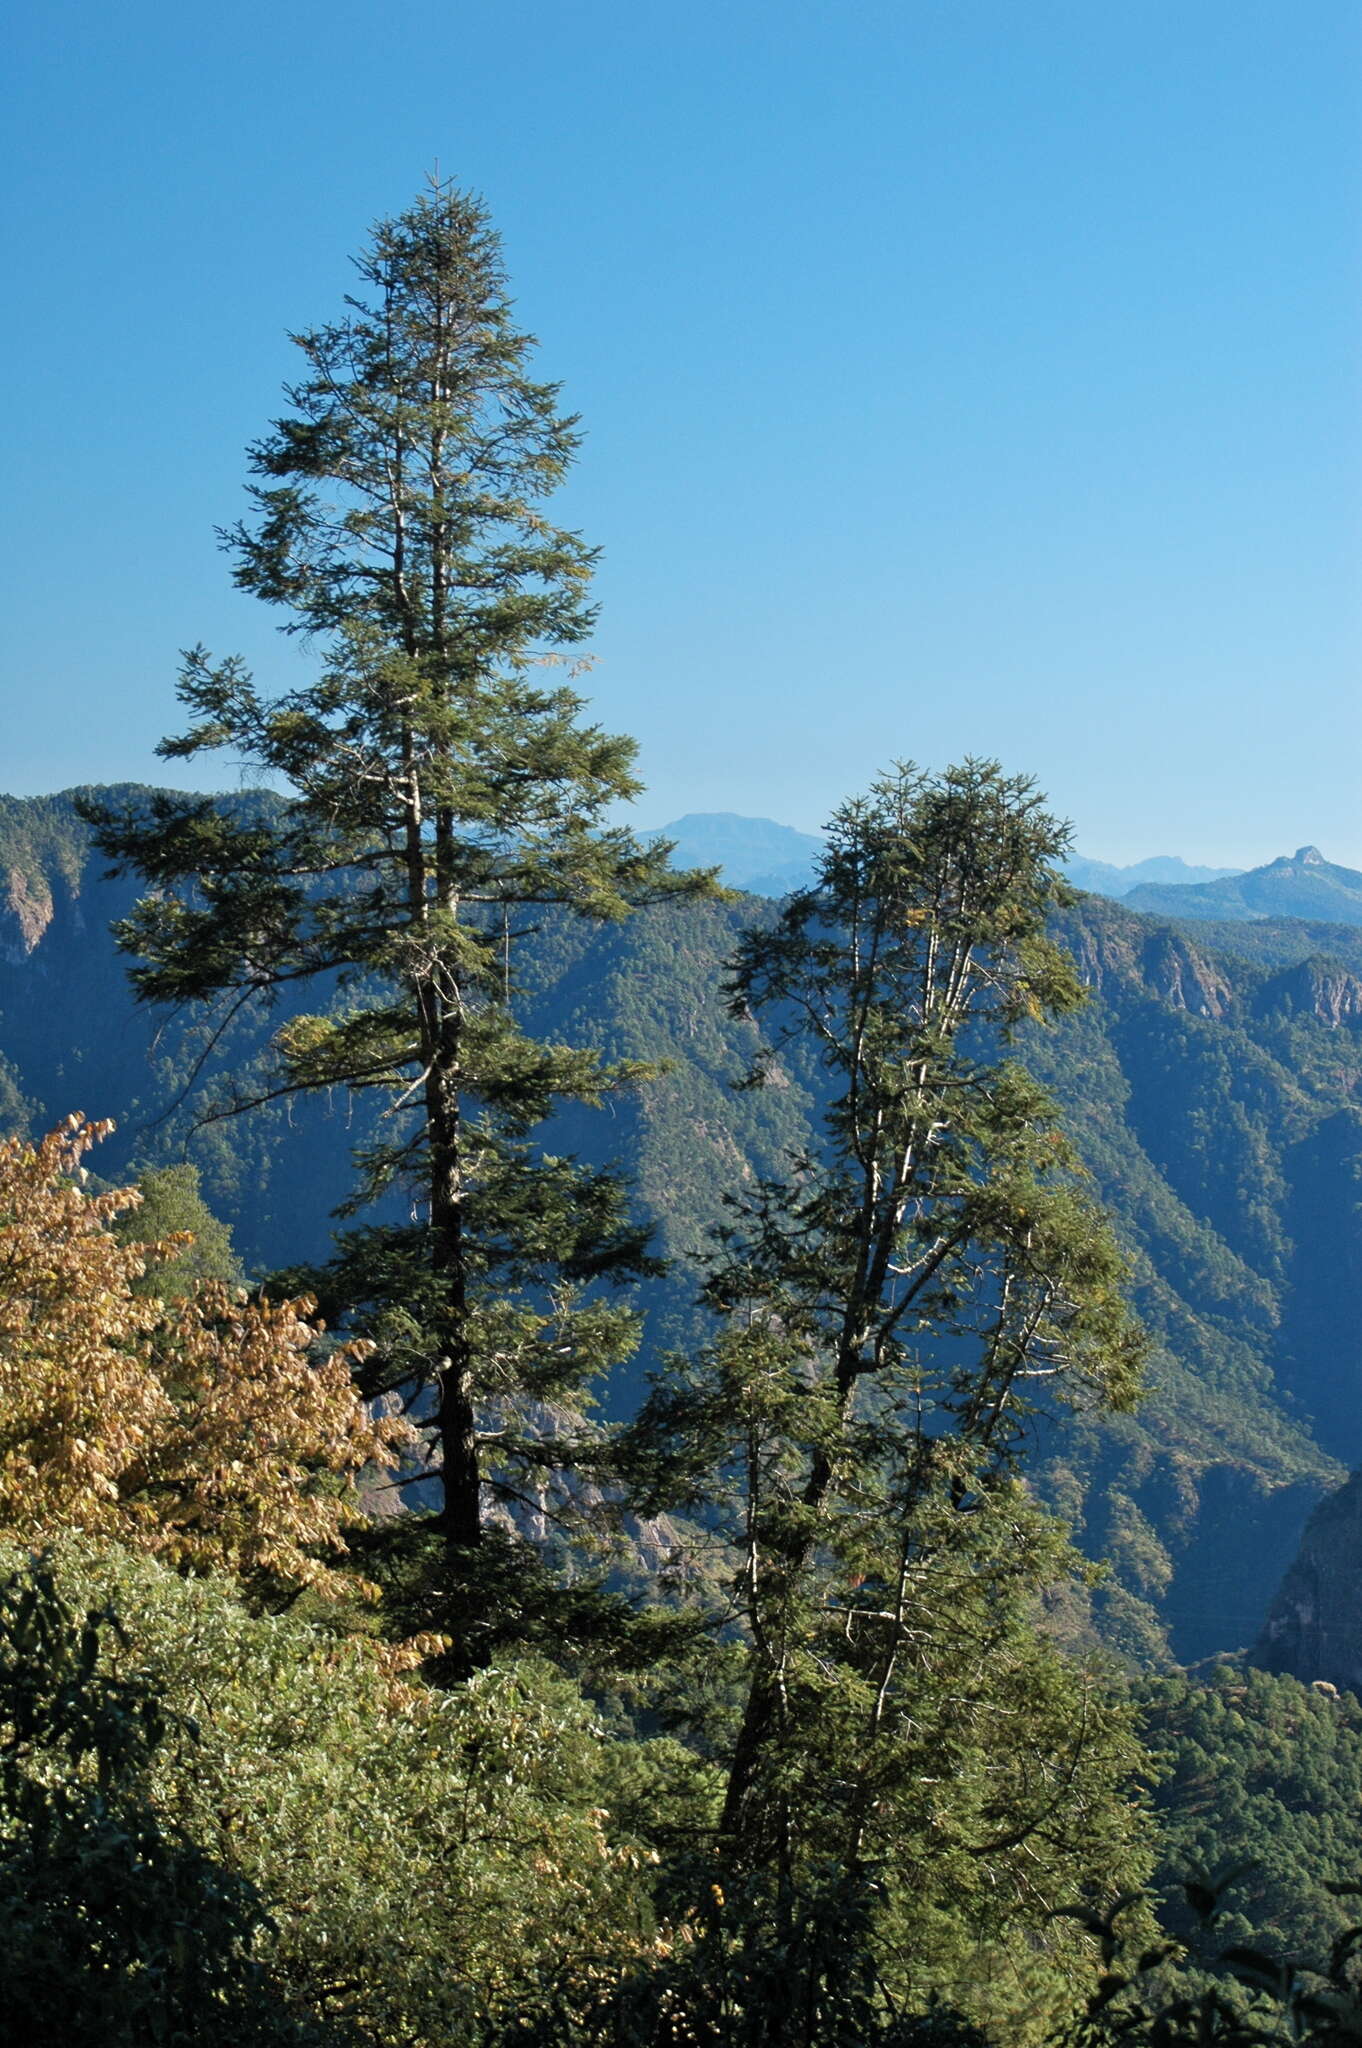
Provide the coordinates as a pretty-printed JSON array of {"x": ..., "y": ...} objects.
[
  {"x": 25, "y": 913},
  {"x": 1123, "y": 955},
  {"x": 1316, "y": 987},
  {"x": 1162, "y": 962},
  {"x": 1314, "y": 1626},
  {"x": 46, "y": 866},
  {"x": 1181, "y": 977}
]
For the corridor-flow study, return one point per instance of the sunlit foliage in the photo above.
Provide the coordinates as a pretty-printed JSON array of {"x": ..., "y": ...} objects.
[{"x": 211, "y": 1430}]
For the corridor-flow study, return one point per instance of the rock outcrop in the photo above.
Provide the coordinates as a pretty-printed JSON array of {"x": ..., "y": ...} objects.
[
  {"x": 1317, "y": 987},
  {"x": 25, "y": 913},
  {"x": 1183, "y": 978},
  {"x": 1314, "y": 1626},
  {"x": 45, "y": 854},
  {"x": 1115, "y": 952}
]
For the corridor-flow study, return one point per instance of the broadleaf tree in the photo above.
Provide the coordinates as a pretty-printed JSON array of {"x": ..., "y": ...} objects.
[
  {"x": 111, "y": 1915},
  {"x": 444, "y": 792},
  {"x": 204, "y": 1427}
]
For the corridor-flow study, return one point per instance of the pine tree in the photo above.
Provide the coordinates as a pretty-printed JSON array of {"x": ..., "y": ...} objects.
[{"x": 444, "y": 793}]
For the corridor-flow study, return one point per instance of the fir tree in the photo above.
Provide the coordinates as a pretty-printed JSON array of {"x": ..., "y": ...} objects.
[
  {"x": 172, "y": 1206},
  {"x": 445, "y": 791},
  {"x": 889, "y": 1314}
]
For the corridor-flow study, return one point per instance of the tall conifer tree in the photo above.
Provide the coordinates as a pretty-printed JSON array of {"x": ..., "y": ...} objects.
[
  {"x": 889, "y": 1315},
  {"x": 444, "y": 790}
]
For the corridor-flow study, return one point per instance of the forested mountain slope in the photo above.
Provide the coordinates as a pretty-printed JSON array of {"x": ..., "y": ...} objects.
[{"x": 1213, "y": 1093}]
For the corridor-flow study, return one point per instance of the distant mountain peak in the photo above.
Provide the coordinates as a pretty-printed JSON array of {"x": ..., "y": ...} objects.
[
  {"x": 1303, "y": 885},
  {"x": 758, "y": 854}
]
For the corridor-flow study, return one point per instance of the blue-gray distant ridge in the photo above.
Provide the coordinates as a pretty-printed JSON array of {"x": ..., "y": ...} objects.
[
  {"x": 769, "y": 859},
  {"x": 1101, "y": 878},
  {"x": 1303, "y": 884},
  {"x": 755, "y": 854}
]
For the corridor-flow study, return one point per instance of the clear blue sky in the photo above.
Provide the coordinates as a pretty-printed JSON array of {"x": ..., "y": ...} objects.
[{"x": 974, "y": 376}]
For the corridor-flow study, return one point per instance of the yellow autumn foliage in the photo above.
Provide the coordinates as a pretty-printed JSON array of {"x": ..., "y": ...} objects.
[{"x": 210, "y": 1431}]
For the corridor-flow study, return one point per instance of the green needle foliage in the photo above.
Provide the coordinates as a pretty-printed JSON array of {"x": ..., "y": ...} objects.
[
  {"x": 173, "y": 1206},
  {"x": 445, "y": 793},
  {"x": 889, "y": 1314}
]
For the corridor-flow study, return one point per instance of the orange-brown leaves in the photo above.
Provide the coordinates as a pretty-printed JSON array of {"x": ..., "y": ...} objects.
[
  {"x": 77, "y": 1402},
  {"x": 206, "y": 1430}
]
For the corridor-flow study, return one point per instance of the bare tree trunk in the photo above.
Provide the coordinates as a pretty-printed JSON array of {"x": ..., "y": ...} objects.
[{"x": 456, "y": 1415}]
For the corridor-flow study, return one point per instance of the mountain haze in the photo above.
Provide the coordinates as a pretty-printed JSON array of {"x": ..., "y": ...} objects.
[
  {"x": 755, "y": 854},
  {"x": 1101, "y": 878},
  {"x": 770, "y": 859},
  {"x": 1303, "y": 884}
]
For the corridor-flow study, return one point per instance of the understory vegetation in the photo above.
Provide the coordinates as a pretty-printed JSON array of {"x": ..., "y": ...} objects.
[{"x": 245, "y": 1797}]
